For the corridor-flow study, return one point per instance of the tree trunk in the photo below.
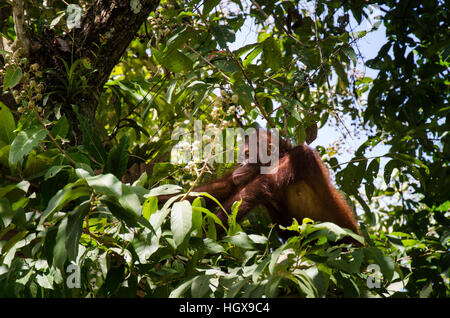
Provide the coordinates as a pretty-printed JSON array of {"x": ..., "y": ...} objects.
[{"x": 105, "y": 31}]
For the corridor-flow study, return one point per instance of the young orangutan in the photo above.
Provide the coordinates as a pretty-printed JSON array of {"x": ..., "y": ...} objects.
[{"x": 297, "y": 187}]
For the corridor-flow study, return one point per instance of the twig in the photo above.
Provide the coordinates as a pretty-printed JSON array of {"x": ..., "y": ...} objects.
[
  {"x": 358, "y": 160},
  {"x": 203, "y": 169},
  {"x": 258, "y": 105},
  {"x": 134, "y": 107},
  {"x": 261, "y": 109},
  {"x": 16, "y": 179},
  {"x": 283, "y": 27},
  {"x": 322, "y": 63},
  {"x": 208, "y": 62}
]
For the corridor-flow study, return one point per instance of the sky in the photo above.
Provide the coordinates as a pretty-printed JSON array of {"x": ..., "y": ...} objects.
[{"x": 368, "y": 46}]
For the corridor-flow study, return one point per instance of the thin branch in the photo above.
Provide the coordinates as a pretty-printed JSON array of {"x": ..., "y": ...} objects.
[
  {"x": 262, "y": 110},
  {"x": 208, "y": 62},
  {"x": 323, "y": 63},
  {"x": 203, "y": 169},
  {"x": 16, "y": 179},
  {"x": 358, "y": 160},
  {"x": 283, "y": 27},
  {"x": 237, "y": 61}
]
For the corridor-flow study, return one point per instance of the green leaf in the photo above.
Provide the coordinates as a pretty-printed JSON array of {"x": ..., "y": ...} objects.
[
  {"x": 319, "y": 277},
  {"x": 211, "y": 215},
  {"x": 158, "y": 218},
  {"x": 12, "y": 77},
  {"x": 146, "y": 243},
  {"x": 7, "y": 125},
  {"x": 56, "y": 20},
  {"x": 271, "y": 53},
  {"x": 212, "y": 247},
  {"x": 274, "y": 258},
  {"x": 197, "y": 218},
  {"x": 409, "y": 160},
  {"x": 92, "y": 142},
  {"x": 177, "y": 40},
  {"x": 106, "y": 184},
  {"x": 181, "y": 221},
  {"x": 68, "y": 236},
  {"x": 226, "y": 66},
  {"x": 245, "y": 49},
  {"x": 388, "y": 168},
  {"x": 372, "y": 170},
  {"x": 304, "y": 284},
  {"x": 200, "y": 286},
  {"x": 234, "y": 290},
  {"x": 176, "y": 61},
  {"x": 258, "y": 239},
  {"x": 8, "y": 250},
  {"x": 61, "y": 128},
  {"x": 245, "y": 94},
  {"x": 384, "y": 261},
  {"x": 334, "y": 232},
  {"x": 292, "y": 105},
  {"x": 348, "y": 51},
  {"x": 211, "y": 231},
  {"x": 360, "y": 171},
  {"x": 300, "y": 134},
  {"x": 165, "y": 189},
  {"x": 271, "y": 288},
  {"x": 113, "y": 280},
  {"x": 6, "y": 212},
  {"x": 118, "y": 158},
  {"x": 350, "y": 263},
  {"x": 208, "y": 5},
  {"x": 349, "y": 286},
  {"x": 69, "y": 193},
  {"x": 121, "y": 200},
  {"x": 241, "y": 240},
  {"x": 24, "y": 142},
  {"x": 127, "y": 215},
  {"x": 252, "y": 55},
  {"x": 44, "y": 281},
  {"x": 340, "y": 71},
  {"x": 417, "y": 175},
  {"x": 370, "y": 216},
  {"x": 223, "y": 34},
  {"x": 149, "y": 207},
  {"x": 4, "y": 155},
  {"x": 180, "y": 290},
  {"x": 54, "y": 170}
]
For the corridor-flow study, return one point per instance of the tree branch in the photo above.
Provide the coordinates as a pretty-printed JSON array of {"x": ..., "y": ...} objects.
[
  {"x": 22, "y": 40},
  {"x": 107, "y": 30},
  {"x": 104, "y": 33}
]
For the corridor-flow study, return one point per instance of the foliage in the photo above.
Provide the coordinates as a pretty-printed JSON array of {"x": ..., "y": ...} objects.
[{"x": 78, "y": 212}]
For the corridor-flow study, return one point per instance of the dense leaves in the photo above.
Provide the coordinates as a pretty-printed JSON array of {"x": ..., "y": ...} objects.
[{"x": 81, "y": 163}]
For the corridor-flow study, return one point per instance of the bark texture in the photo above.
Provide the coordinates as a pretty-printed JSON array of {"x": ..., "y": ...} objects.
[{"x": 105, "y": 31}]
